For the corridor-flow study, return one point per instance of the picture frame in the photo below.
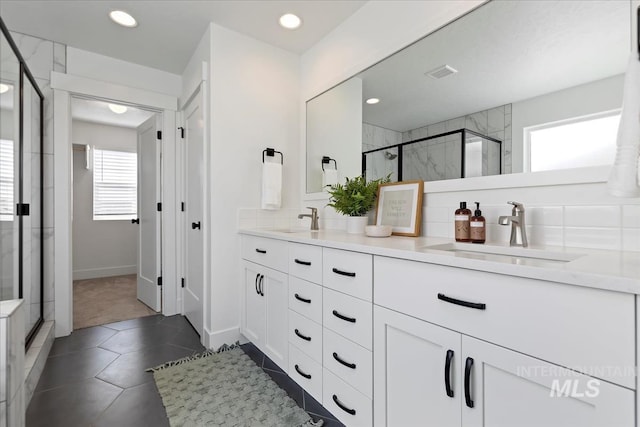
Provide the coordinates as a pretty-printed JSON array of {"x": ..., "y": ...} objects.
[{"x": 399, "y": 204}]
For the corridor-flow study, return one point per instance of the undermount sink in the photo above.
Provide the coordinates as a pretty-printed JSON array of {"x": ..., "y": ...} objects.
[
  {"x": 292, "y": 230},
  {"x": 504, "y": 253}
]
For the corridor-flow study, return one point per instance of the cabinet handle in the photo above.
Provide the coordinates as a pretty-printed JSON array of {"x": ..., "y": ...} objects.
[
  {"x": 307, "y": 376},
  {"x": 347, "y": 364},
  {"x": 261, "y": 251},
  {"x": 304, "y": 337},
  {"x": 341, "y": 406},
  {"x": 345, "y": 318},
  {"x": 467, "y": 380},
  {"x": 257, "y": 277},
  {"x": 447, "y": 373},
  {"x": 476, "y": 305},
  {"x": 261, "y": 285},
  {"x": 299, "y": 298},
  {"x": 297, "y": 261},
  {"x": 344, "y": 273}
]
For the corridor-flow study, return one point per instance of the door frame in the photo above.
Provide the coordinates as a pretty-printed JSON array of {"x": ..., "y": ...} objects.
[{"x": 64, "y": 86}]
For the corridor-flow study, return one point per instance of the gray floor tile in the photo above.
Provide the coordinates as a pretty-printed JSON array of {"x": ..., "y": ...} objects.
[
  {"x": 135, "y": 323},
  {"x": 139, "y": 406},
  {"x": 80, "y": 339},
  {"x": 136, "y": 339}
]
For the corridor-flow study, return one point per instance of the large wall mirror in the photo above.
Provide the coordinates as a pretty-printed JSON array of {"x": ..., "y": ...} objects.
[{"x": 510, "y": 87}]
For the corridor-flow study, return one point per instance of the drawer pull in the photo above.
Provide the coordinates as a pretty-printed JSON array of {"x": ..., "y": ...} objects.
[
  {"x": 297, "y": 261},
  {"x": 467, "y": 380},
  {"x": 299, "y": 298},
  {"x": 347, "y": 364},
  {"x": 341, "y": 406},
  {"x": 261, "y": 251},
  {"x": 307, "y": 376},
  {"x": 302, "y": 336},
  {"x": 344, "y": 273},
  {"x": 261, "y": 285},
  {"x": 345, "y": 318},
  {"x": 476, "y": 305},
  {"x": 447, "y": 373}
]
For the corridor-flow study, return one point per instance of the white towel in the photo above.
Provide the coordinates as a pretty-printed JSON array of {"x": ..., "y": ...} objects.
[
  {"x": 329, "y": 177},
  {"x": 271, "y": 185},
  {"x": 623, "y": 180}
]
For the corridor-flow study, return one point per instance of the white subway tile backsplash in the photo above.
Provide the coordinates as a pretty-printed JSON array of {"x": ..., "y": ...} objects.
[
  {"x": 438, "y": 229},
  {"x": 591, "y": 237},
  {"x": 592, "y": 216},
  {"x": 547, "y": 216},
  {"x": 631, "y": 216},
  {"x": 545, "y": 236},
  {"x": 631, "y": 239},
  {"x": 438, "y": 214}
]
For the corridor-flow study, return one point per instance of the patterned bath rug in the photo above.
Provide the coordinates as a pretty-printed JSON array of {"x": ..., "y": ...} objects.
[{"x": 225, "y": 388}]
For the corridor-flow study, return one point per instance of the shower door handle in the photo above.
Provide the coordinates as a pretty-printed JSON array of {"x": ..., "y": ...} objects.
[
  {"x": 195, "y": 225},
  {"x": 135, "y": 221}
]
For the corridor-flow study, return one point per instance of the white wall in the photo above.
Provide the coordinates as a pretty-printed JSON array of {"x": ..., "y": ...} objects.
[{"x": 100, "y": 248}]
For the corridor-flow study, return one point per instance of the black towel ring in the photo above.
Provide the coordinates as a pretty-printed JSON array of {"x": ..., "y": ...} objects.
[{"x": 270, "y": 152}]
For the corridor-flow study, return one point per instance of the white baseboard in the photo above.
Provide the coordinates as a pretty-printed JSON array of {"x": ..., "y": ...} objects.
[
  {"x": 93, "y": 273},
  {"x": 214, "y": 340}
]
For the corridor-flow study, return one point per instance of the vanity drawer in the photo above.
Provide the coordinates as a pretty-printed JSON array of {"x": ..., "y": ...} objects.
[
  {"x": 348, "y": 272},
  {"x": 306, "y": 335},
  {"x": 349, "y": 361},
  {"x": 306, "y": 372},
  {"x": 346, "y": 403},
  {"x": 305, "y": 262},
  {"x": 589, "y": 329},
  {"x": 271, "y": 253},
  {"x": 348, "y": 316},
  {"x": 305, "y": 298}
]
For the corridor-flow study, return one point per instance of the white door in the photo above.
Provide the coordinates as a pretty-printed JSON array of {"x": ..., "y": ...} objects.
[
  {"x": 149, "y": 242},
  {"x": 416, "y": 372},
  {"x": 511, "y": 389},
  {"x": 194, "y": 167}
]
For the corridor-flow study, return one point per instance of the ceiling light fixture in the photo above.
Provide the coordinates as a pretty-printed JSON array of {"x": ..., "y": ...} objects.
[
  {"x": 123, "y": 18},
  {"x": 4, "y": 88},
  {"x": 372, "y": 101},
  {"x": 290, "y": 21},
  {"x": 441, "y": 71},
  {"x": 118, "y": 109}
]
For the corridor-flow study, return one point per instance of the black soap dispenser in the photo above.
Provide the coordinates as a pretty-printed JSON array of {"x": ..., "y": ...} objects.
[{"x": 477, "y": 226}]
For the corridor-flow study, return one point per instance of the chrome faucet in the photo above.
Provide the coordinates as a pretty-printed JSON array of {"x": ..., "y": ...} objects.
[
  {"x": 518, "y": 228},
  {"x": 314, "y": 218}
]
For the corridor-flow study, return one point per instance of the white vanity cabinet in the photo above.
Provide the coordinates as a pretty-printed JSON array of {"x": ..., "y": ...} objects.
[
  {"x": 265, "y": 303},
  {"x": 445, "y": 328}
]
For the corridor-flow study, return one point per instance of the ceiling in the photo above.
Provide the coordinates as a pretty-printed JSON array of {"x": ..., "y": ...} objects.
[{"x": 169, "y": 31}]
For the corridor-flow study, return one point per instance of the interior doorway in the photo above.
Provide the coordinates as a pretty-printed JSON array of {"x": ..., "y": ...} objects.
[{"x": 116, "y": 227}]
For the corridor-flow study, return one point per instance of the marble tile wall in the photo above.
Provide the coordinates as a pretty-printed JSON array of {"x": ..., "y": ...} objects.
[
  {"x": 12, "y": 320},
  {"x": 36, "y": 358},
  {"x": 380, "y": 164}
]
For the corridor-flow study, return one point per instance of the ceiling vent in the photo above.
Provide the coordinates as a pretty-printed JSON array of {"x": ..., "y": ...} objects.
[{"x": 440, "y": 72}]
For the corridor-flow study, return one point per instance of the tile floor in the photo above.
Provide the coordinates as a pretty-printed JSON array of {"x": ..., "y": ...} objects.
[{"x": 96, "y": 376}]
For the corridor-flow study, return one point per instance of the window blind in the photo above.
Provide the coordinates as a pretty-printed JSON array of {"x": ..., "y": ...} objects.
[
  {"x": 115, "y": 184},
  {"x": 7, "y": 205}
]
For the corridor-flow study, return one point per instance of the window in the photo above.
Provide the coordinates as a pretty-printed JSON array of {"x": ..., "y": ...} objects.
[
  {"x": 115, "y": 185},
  {"x": 7, "y": 205},
  {"x": 581, "y": 142}
]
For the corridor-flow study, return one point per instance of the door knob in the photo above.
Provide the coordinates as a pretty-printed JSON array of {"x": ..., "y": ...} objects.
[
  {"x": 195, "y": 225},
  {"x": 135, "y": 221}
]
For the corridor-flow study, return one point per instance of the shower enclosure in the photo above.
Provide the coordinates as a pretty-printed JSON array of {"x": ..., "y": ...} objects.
[
  {"x": 461, "y": 153},
  {"x": 21, "y": 184}
]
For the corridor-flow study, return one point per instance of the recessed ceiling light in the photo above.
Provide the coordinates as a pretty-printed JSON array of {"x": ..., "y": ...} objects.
[
  {"x": 118, "y": 109},
  {"x": 123, "y": 18},
  {"x": 4, "y": 88},
  {"x": 290, "y": 21},
  {"x": 372, "y": 101}
]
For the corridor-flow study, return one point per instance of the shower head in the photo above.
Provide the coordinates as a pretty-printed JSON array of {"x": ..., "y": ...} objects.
[{"x": 390, "y": 156}]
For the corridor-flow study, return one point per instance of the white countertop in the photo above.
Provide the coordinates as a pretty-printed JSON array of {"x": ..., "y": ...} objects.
[{"x": 611, "y": 270}]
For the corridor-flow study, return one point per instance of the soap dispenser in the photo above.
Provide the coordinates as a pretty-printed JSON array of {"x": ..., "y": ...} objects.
[
  {"x": 478, "y": 227},
  {"x": 462, "y": 223}
]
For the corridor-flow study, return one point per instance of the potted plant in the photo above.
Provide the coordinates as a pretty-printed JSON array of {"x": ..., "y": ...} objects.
[{"x": 355, "y": 198}]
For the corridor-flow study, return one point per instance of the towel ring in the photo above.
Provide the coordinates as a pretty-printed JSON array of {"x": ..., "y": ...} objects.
[
  {"x": 270, "y": 152},
  {"x": 326, "y": 160}
]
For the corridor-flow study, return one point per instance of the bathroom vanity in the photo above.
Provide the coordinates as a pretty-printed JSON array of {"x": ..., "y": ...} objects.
[{"x": 423, "y": 331}]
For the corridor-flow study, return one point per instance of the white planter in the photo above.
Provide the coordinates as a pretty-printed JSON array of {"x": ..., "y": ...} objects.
[{"x": 356, "y": 224}]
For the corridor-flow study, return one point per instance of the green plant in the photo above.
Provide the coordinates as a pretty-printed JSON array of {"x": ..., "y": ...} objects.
[{"x": 356, "y": 196}]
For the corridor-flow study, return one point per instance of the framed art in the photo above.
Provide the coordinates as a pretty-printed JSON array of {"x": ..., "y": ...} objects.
[{"x": 399, "y": 205}]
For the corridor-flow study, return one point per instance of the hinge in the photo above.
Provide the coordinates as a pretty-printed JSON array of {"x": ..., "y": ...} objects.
[
  {"x": 181, "y": 132},
  {"x": 182, "y": 281},
  {"x": 159, "y": 207},
  {"x": 160, "y": 281},
  {"x": 22, "y": 209},
  {"x": 182, "y": 206},
  {"x": 159, "y": 134}
]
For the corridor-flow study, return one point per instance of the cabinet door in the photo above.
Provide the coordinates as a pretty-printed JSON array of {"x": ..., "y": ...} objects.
[
  {"x": 275, "y": 292},
  {"x": 511, "y": 389},
  {"x": 253, "y": 311},
  {"x": 410, "y": 357}
]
